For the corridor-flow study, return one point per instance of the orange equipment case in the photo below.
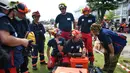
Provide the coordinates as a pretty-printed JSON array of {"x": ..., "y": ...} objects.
[
  {"x": 79, "y": 60},
  {"x": 70, "y": 70}
]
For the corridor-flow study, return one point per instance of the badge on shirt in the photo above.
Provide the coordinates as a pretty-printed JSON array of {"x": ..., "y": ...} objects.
[
  {"x": 82, "y": 19},
  {"x": 60, "y": 42},
  {"x": 89, "y": 21},
  {"x": 68, "y": 18},
  {"x": 77, "y": 47},
  {"x": 15, "y": 34},
  {"x": 72, "y": 47}
]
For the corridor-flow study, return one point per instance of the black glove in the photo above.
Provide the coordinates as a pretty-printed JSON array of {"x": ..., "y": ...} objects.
[
  {"x": 76, "y": 54},
  {"x": 90, "y": 54},
  {"x": 59, "y": 55},
  {"x": 30, "y": 45}
]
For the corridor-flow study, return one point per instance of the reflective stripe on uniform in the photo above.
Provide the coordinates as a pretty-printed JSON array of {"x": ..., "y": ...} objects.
[
  {"x": 34, "y": 64},
  {"x": 42, "y": 61},
  {"x": 41, "y": 53},
  {"x": 34, "y": 57},
  {"x": 26, "y": 72}
]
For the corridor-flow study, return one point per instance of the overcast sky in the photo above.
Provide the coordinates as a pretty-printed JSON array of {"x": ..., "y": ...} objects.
[{"x": 49, "y": 8}]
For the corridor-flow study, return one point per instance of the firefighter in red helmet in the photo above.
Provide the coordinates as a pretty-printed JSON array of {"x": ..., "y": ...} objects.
[
  {"x": 73, "y": 45},
  {"x": 84, "y": 23}
]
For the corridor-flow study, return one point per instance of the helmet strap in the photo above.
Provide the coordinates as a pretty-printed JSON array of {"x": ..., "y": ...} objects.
[
  {"x": 10, "y": 10},
  {"x": 64, "y": 13}
]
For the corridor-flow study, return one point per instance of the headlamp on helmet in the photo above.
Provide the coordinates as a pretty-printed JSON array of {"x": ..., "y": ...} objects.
[
  {"x": 76, "y": 33},
  {"x": 55, "y": 32},
  {"x": 62, "y": 6}
]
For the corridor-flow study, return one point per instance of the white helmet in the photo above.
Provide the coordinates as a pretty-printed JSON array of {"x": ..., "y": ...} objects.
[{"x": 4, "y": 4}]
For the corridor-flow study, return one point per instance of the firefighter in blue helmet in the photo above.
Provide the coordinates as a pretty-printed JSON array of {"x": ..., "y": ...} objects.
[
  {"x": 9, "y": 42},
  {"x": 39, "y": 32},
  {"x": 113, "y": 44}
]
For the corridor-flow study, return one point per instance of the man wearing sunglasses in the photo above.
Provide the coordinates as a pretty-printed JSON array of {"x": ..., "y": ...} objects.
[
  {"x": 65, "y": 19},
  {"x": 20, "y": 23}
]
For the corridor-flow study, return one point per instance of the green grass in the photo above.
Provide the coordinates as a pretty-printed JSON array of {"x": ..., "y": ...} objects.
[
  {"x": 41, "y": 68},
  {"x": 99, "y": 61}
]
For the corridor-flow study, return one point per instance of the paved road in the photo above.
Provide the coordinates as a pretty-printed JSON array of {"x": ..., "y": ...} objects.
[{"x": 126, "y": 51}]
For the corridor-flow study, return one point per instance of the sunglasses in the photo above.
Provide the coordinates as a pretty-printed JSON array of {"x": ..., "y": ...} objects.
[{"x": 62, "y": 8}]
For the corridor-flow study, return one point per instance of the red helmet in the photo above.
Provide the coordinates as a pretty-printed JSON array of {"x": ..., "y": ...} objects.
[
  {"x": 20, "y": 7},
  {"x": 36, "y": 13},
  {"x": 86, "y": 9},
  {"x": 76, "y": 33},
  {"x": 55, "y": 31}
]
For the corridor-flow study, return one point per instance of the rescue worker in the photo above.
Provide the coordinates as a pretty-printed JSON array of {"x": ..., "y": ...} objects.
[
  {"x": 113, "y": 44},
  {"x": 20, "y": 24},
  {"x": 105, "y": 23},
  {"x": 56, "y": 44},
  {"x": 65, "y": 19},
  {"x": 73, "y": 46},
  {"x": 9, "y": 40},
  {"x": 117, "y": 24},
  {"x": 39, "y": 32},
  {"x": 122, "y": 25},
  {"x": 84, "y": 23}
]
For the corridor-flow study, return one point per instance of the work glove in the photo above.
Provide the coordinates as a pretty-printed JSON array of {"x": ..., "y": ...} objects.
[
  {"x": 83, "y": 56},
  {"x": 76, "y": 55},
  {"x": 29, "y": 47},
  {"x": 31, "y": 36},
  {"x": 60, "y": 54},
  {"x": 69, "y": 54}
]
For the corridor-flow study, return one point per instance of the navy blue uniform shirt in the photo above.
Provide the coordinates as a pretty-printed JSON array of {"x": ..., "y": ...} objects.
[
  {"x": 107, "y": 36},
  {"x": 21, "y": 27},
  {"x": 17, "y": 55},
  {"x": 65, "y": 21},
  {"x": 38, "y": 30},
  {"x": 85, "y": 22},
  {"x": 6, "y": 26},
  {"x": 52, "y": 43},
  {"x": 73, "y": 47}
]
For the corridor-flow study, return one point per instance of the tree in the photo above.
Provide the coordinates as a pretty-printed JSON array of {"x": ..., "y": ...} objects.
[
  {"x": 101, "y": 6},
  {"x": 111, "y": 15}
]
